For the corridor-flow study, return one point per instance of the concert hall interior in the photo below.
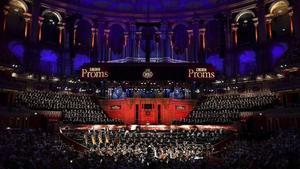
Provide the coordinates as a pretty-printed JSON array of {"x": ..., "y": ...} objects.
[{"x": 146, "y": 84}]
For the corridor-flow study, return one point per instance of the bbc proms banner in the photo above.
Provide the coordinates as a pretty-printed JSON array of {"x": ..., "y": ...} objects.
[{"x": 180, "y": 72}]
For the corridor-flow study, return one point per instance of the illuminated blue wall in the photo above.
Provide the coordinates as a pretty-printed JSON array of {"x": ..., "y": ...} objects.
[
  {"x": 80, "y": 60},
  {"x": 17, "y": 49},
  {"x": 247, "y": 62},
  {"x": 48, "y": 61},
  {"x": 216, "y": 61},
  {"x": 277, "y": 51}
]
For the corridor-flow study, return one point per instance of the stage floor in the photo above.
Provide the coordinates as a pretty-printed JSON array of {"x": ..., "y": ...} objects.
[{"x": 149, "y": 127}]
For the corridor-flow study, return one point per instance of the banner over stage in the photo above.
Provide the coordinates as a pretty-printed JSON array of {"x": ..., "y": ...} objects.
[{"x": 116, "y": 71}]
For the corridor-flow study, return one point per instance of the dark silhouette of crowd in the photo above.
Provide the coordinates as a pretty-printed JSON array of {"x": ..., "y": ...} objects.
[
  {"x": 76, "y": 108},
  {"x": 28, "y": 149},
  {"x": 31, "y": 149},
  {"x": 279, "y": 151},
  {"x": 226, "y": 109}
]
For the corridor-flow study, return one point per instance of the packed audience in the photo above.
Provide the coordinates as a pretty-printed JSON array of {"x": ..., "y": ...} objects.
[
  {"x": 76, "y": 108},
  {"x": 238, "y": 102},
  {"x": 84, "y": 116},
  {"x": 198, "y": 116},
  {"x": 280, "y": 151},
  {"x": 37, "y": 150},
  {"x": 225, "y": 109},
  {"x": 48, "y": 100},
  {"x": 28, "y": 149}
]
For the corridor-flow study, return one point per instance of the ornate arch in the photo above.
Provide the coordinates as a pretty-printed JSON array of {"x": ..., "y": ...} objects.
[
  {"x": 142, "y": 27},
  {"x": 239, "y": 15},
  {"x": 19, "y": 3},
  {"x": 277, "y": 4},
  {"x": 110, "y": 24},
  {"x": 86, "y": 19},
  {"x": 180, "y": 23},
  {"x": 57, "y": 14}
]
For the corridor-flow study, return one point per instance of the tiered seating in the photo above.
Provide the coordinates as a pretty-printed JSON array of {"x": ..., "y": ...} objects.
[
  {"x": 85, "y": 116},
  {"x": 76, "y": 108},
  {"x": 279, "y": 151},
  {"x": 225, "y": 109},
  {"x": 210, "y": 117},
  {"x": 238, "y": 102}
]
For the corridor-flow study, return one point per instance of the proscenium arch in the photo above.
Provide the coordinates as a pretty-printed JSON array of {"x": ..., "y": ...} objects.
[
  {"x": 19, "y": 3},
  {"x": 47, "y": 11},
  {"x": 239, "y": 15}
]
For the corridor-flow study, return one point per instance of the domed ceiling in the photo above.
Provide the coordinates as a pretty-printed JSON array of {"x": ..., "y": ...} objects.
[{"x": 154, "y": 6}]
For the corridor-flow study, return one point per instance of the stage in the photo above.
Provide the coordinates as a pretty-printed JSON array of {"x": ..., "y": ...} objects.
[
  {"x": 144, "y": 111},
  {"x": 149, "y": 127}
]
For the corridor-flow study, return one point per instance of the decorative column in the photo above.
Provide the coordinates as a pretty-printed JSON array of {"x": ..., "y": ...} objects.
[
  {"x": 255, "y": 22},
  {"x": 164, "y": 42},
  {"x": 61, "y": 28},
  {"x": 138, "y": 45},
  {"x": 262, "y": 21},
  {"x": 27, "y": 17},
  {"x": 296, "y": 17},
  {"x": 188, "y": 50},
  {"x": 40, "y": 22},
  {"x": 291, "y": 14},
  {"x": 228, "y": 31},
  {"x": 269, "y": 26},
  {"x": 196, "y": 41},
  {"x": 94, "y": 51},
  {"x": 125, "y": 44},
  {"x": 202, "y": 38},
  {"x": 171, "y": 45},
  {"x": 64, "y": 49},
  {"x": 157, "y": 45},
  {"x": 5, "y": 12},
  {"x": 234, "y": 29},
  {"x": 107, "y": 49},
  {"x": 202, "y": 34},
  {"x": 74, "y": 35},
  {"x": 93, "y": 37},
  {"x": 34, "y": 26}
]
